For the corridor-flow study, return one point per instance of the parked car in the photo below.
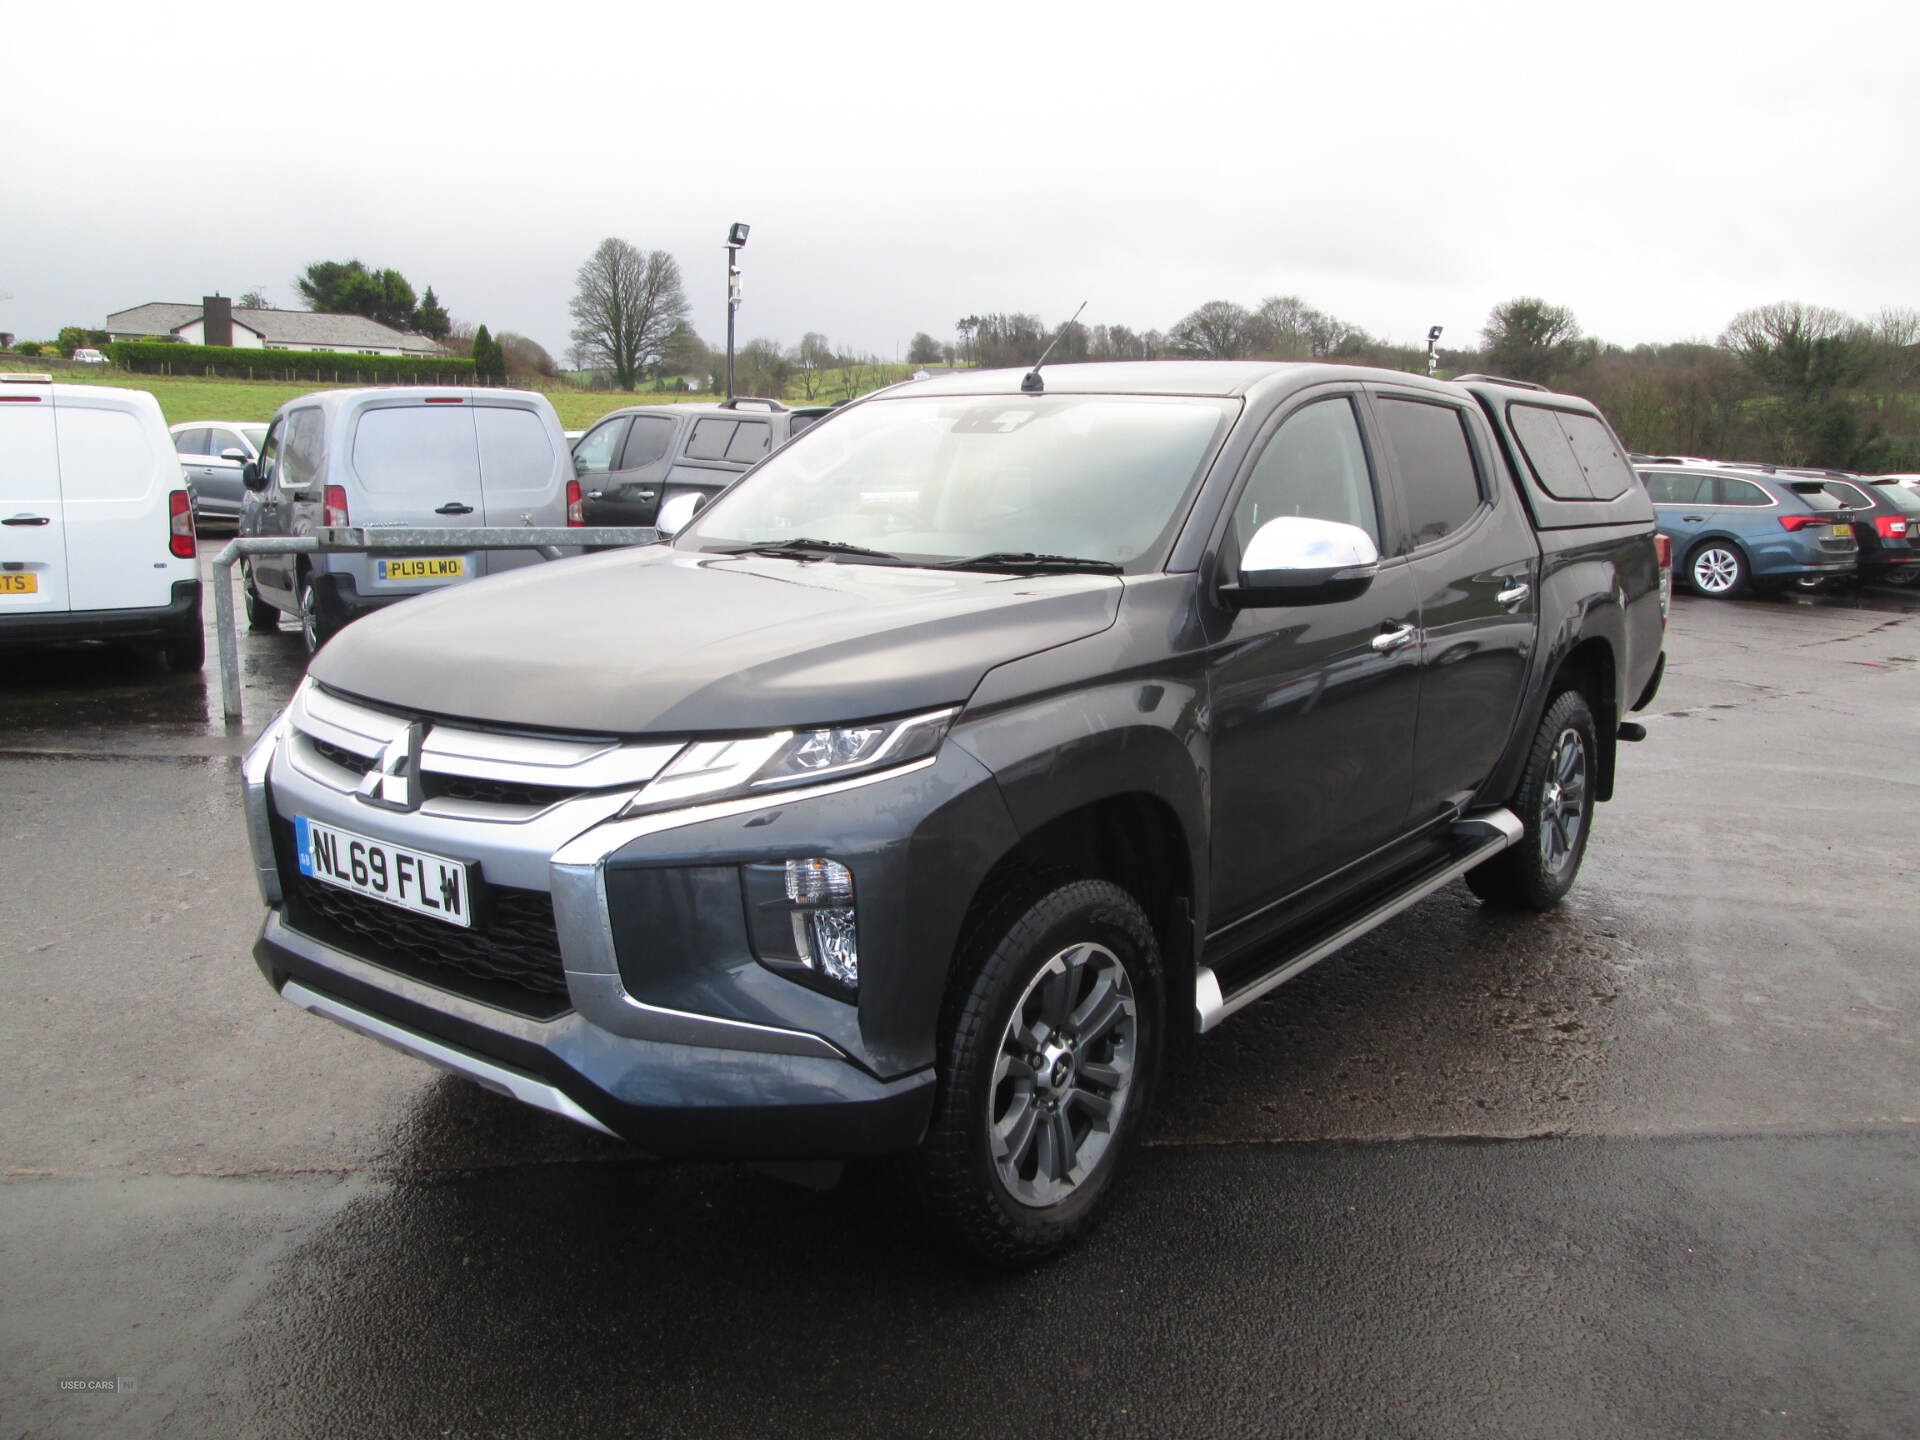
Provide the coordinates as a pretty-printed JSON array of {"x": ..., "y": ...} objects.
[
  {"x": 1886, "y": 522},
  {"x": 213, "y": 453},
  {"x": 85, "y": 356},
  {"x": 423, "y": 457},
  {"x": 969, "y": 745},
  {"x": 658, "y": 464},
  {"x": 96, "y": 532},
  {"x": 1733, "y": 528}
]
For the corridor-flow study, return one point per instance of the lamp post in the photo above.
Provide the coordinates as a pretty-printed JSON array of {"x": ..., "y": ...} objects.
[
  {"x": 1433, "y": 353},
  {"x": 736, "y": 238}
]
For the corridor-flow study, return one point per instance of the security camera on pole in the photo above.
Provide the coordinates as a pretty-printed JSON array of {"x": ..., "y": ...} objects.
[
  {"x": 1433, "y": 353},
  {"x": 736, "y": 238}
]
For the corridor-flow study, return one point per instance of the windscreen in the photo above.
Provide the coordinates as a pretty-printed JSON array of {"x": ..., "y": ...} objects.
[
  {"x": 1098, "y": 477},
  {"x": 256, "y": 435},
  {"x": 1816, "y": 496},
  {"x": 1895, "y": 494}
]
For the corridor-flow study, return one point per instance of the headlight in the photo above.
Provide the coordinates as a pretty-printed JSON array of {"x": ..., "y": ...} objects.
[{"x": 717, "y": 769}]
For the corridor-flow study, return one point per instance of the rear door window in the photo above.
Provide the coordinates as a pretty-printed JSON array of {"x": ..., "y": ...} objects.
[
  {"x": 414, "y": 450},
  {"x": 303, "y": 458},
  {"x": 515, "y": 453},
  {"x": 191, "y": 442},
  {"x": 710, "y": 439},
  {"x": 1665, "y": 487},
  {"x": 1438, "y": 478},
  {"x": 648, "y": 442}
]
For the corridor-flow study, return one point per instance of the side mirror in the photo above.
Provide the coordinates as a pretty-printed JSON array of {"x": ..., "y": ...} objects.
[
  {"x": 251, "y": 477},
  {"x": 1298, "y": 560},
  {"x": 234, "y": 452}
]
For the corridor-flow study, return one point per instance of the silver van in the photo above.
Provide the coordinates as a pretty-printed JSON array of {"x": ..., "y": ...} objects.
[{"x": 397, "y": 458}]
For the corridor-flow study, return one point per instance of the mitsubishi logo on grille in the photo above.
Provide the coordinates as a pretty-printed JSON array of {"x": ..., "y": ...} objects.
[{"x": 393, "y": 782}]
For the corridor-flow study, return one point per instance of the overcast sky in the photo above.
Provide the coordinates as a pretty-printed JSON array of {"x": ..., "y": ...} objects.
[{"x": 1657, "y": 168}]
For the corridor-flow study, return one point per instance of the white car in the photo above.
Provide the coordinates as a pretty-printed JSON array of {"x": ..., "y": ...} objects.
[
  {"x": 89, "y": 357},
  {"x": 96, "y": 531}
]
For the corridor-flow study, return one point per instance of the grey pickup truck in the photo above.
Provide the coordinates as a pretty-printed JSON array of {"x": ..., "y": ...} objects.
[{"x": 974, "y": 742}]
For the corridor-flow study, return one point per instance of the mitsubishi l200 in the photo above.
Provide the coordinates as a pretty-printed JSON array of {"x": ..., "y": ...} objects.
[{"x": 915, "y": 793}]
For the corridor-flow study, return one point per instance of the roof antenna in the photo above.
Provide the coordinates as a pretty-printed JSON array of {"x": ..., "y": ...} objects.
[{"x": 1031, "y": 382}]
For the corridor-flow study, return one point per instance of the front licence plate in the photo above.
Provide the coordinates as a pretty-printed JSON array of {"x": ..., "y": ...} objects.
[
  {"x": 436, "y": 567},
  {"x": 18, "y": 582},
  {"x": 412, "y": 879}
]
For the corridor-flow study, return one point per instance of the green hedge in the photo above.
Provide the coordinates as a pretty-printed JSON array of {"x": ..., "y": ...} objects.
[{"x": 160, "y": 357}]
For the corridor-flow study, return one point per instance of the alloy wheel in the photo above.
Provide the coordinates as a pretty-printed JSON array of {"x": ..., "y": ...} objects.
[
  {"x": 1716, "y": 570},
  {"x": 1563, "y": 800},
  {"x": 1063, "y": 1075}
]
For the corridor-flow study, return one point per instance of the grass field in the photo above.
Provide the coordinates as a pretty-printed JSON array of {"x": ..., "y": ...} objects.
[
  {"x": 189, "y": 397},
  {"x": 193, "y": 397}
]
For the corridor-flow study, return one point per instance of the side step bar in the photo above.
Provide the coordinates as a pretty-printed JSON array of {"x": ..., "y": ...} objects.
[
  {"x": 1479, "y": 837},
  {"x": 498, "y": 1078}
]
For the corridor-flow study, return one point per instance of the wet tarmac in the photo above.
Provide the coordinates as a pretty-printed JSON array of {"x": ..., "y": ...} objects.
[{"x": 1642, "y": 1166}]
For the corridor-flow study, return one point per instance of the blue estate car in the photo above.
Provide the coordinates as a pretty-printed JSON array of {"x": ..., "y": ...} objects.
[{"x": 1732, "y": 529}]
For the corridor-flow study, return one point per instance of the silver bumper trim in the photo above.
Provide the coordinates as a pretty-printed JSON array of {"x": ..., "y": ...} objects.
[{"x": 498, "y": 1078}]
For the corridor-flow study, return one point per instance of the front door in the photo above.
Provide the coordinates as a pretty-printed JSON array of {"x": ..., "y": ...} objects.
[{"x": 1312, "y": 705}]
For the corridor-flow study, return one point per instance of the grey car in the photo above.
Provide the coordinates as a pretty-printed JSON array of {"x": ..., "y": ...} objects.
[
  {"x": 658, "y": 464},
  {"x": 213, "y": 453}
]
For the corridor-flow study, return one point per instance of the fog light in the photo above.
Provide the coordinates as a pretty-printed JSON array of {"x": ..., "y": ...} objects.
[{"x": 800, "y": 915}]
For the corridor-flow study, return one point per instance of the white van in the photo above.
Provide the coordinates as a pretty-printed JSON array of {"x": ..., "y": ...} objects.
[
  {"x": 397, "y": 457},
  {"x": 96, "y": 533}
]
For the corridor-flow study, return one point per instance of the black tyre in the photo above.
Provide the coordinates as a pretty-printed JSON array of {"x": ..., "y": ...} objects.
[
  {"x": 1717, "y": 569},
  {"x": 316, "y": 625},
  {"x": 261, "y": 616},
  {"x": 1555, "y": 802},
  {"x": 1050, "y": 1047},
  {"x": 187, "y": 650},
  {"x": 1899, "y": 575}
]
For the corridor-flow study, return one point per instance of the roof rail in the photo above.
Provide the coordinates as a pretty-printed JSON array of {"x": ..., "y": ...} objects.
[
  {"x": 1501, "y": 380},
  {"x": 739, "y": 402}
]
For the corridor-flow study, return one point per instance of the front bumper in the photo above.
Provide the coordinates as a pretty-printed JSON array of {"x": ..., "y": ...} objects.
[{"x": 667, "y": 1031}]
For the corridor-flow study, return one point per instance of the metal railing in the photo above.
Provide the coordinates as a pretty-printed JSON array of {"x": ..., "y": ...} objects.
[{"x": 550, "y": 542}]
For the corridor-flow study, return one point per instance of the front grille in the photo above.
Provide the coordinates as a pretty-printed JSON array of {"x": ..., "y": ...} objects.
[
  {"x": 439, "y": 786},
  {"x": 509, "y": 958},
  {"x": 345, "y": 759}
]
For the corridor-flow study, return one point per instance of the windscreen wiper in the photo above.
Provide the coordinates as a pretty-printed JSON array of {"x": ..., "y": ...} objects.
[
  {"x": 1021, "y": 562},
  {"x": 800, "y": 545}
]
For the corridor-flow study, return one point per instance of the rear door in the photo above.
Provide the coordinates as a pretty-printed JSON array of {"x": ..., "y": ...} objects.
[
  {"x": 523, "y": 475},
  {"x": 416, "y": 465},
  {"x": 117, "y": 467},
  {"x": 33, "y": 551},
  {"x": 1475, "y": 561},
  {"x": 1683, "y": 507}
]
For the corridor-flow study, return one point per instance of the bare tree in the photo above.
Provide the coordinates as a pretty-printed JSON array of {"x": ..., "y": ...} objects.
[
  {"x": 1218, "y": 330},
  {"x": 628, "y": 305},
  {"x": 254, "y": 299}
]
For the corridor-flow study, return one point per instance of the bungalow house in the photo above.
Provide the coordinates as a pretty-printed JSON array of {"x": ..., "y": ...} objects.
[{"x": 215, "y": 321}]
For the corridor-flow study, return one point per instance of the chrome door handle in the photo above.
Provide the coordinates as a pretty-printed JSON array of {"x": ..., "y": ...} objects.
[
  {"x": 27, "y": 520},
  {"x": 1692, "y": 519},
  {"x": 1392, "y": 640},
  {"x": 1514, "y": 594},
  {"x": 595, "y": 494}
]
